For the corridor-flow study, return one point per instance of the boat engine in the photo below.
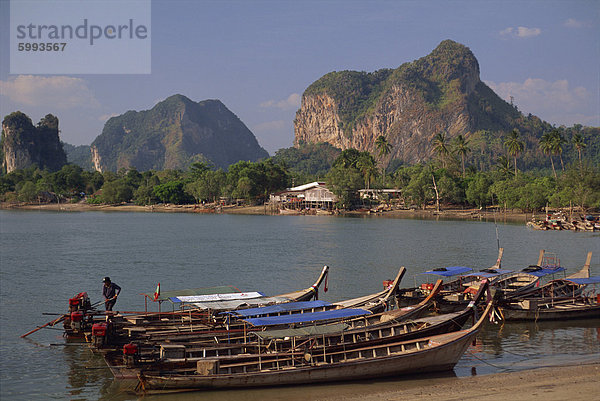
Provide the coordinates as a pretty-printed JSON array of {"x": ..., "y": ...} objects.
[
  {"x": 77, "y": 321},
  {"x": 101, "y": 334},
  {"x": 80, "y": 302},
  {"x": 131, "y": 354}
]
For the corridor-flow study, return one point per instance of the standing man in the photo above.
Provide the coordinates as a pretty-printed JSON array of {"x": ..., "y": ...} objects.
[{"x": 111, "y": 292}]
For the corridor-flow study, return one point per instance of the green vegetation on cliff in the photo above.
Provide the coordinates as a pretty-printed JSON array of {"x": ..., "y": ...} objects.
[
  {"x": 24, "y": 144},
  {"x": 440, "y": 78},
  {"x": 174, "y": 134},
  {"x": 442, "y": 92}
]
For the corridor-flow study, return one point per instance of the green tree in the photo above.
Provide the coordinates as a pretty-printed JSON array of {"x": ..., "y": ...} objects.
[
  {"x": 208, "y": 186},
  {"x": 384, "y": 148},
  {"x": 348, "y": 158},
  {"x": 547, "y": 147},
  {"x": 441, "y": 147},
  {"x": 533, "y": 195},
  {"x": 449, "y": 189},
  {"x": 93, "y": 181},
  {"x": 577, "y": 188},
  {"x": 503, "y": 167},
  {"x": 243, "y": 188},
  {"x": 27, "y": 192},
  {"x": 461, "y": 146},
  {"x": 116, "y": 191},
  {"x": 579, "y": 144},
  {"x": 366, "y": 166},
  {"x": 558, "y": 142},
  {"x": 172, "y": 192},
  {"x": 514, "y": 145},
  {"x": 345, "y": 182},
  {"x": 419, "y": 188},
  {"x": 68, "y": 180},
  {"x": 477, "y": 191}
]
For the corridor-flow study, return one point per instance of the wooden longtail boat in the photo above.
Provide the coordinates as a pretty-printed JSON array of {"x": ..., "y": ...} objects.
[
  {"x": 189, "y": 327},
  {"x": 377, "y": 302},
  {"x": 428, "y": 354},
  {"x": 566, "y": 288},
  {"x": 516, "y": 284},
  {"x": 235, "y": 330},
  {"x": 216, "y": 303},
  {"x": 117, "y": 328},
  {"x": 458, "y": 292},
  {"x": 270, "y": 341},
  {"x": 535, "y": 309}
]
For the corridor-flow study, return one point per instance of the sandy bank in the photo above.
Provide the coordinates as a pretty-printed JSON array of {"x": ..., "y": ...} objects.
[
  {"x": 581, "y": 382},
  {"x": 465, "y": 214}
]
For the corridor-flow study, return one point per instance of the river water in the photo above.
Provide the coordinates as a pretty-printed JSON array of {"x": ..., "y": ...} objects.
[{"x": 47, "y": 257}]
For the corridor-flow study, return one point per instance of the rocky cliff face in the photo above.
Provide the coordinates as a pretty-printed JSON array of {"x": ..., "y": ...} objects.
[
  {"x": 438, "y": 93},
  {"x": 24, "y": 144},
  {"x": 172, "y": 135}
]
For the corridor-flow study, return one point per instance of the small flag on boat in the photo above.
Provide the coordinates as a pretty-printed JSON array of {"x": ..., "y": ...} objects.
[
  {"x": 157, "y": 292},
  {"x": 326, "y": 286}
]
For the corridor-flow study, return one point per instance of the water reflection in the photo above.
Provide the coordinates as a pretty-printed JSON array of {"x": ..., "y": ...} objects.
[
  {"x": 51, "y": 256},
  {"x": 522, "y": 345}
]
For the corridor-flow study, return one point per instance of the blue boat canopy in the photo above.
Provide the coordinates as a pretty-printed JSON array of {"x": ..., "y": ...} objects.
[
  {"x": 543, "y": 271},
  {"x": 286, "y": 307},
  {"x": 449, "y": 271},
  {"x": 589, "y": 280},
  {"x": 489, "y": 273},
  {"x": 306, "y": 317}
]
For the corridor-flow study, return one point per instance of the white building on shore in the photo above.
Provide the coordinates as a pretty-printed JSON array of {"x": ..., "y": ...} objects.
[{"x": 314, "y": 195}]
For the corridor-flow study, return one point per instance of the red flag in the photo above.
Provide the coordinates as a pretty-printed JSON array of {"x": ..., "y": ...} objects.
[
  {"x": 326, "y": 287},
  {"x": 157, "y": 292}
]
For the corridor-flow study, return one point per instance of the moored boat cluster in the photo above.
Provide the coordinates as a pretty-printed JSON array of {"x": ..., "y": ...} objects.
[{"x": 214, "y": 338}]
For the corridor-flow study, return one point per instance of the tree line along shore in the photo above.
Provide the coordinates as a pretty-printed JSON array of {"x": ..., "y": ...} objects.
[{"x": 446, "y": 182}]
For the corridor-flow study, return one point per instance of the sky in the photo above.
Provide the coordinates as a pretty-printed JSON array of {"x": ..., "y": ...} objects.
[{"x": 258, "y": 57}]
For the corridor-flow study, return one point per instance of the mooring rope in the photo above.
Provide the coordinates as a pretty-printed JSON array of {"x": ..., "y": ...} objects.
[{"x": 486, "y": 362}]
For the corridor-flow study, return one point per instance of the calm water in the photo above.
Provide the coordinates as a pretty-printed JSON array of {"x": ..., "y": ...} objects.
[{"x": 48, "y": 257}]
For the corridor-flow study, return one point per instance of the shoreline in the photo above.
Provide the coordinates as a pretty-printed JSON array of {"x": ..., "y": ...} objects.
[
  {"x": 428, "y": 214},
  {"x": 570, "y": 382}
]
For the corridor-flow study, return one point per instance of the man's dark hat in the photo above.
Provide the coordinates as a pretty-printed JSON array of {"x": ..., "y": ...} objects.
[{"x": 106, "y": 280}]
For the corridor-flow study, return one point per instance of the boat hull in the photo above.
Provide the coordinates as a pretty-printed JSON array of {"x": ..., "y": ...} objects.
[
  {"x": 441, "y": 357},
  {"x": 563, "y": 313}
]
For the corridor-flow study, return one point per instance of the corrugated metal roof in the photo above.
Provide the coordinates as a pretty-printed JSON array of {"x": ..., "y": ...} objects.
[{"x": 307, "y": 186}]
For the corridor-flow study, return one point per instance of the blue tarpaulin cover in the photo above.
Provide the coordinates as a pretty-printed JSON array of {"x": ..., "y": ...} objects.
[
  {"x": 287, "y": 307},
  {"x": 449, "y": 271},
  {"x": 590, "y": 280},
  {"x": 489, "y": 273},
  {"x": 545, "y": 271},
  {"x": 306, "y": 317}
]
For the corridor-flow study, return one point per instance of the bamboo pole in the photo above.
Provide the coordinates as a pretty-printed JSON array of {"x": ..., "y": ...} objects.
[{"x": 51, "y": 323}]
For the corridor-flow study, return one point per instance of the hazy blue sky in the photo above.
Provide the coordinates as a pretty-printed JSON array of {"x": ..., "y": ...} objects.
[{"x": 257, "y": 57}]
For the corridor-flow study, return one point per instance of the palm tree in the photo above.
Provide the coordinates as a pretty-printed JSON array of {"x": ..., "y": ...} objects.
[
  {"x": 514, "y": 145},
  {"x": 461, "y": 146},
  {"x": 440, "y": 146},
  {"x": 557, "y": 146},
  {"x": 503, "y": 165},
  {"x": 383, "y": 148},
  {"x": 366, "y": 165},
  {"x": 546, "y": 145},
  {"x": 580, "y": 144}
]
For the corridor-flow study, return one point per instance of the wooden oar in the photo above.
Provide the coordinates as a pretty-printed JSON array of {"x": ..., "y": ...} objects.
[{"x": 52, "y": 323}]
